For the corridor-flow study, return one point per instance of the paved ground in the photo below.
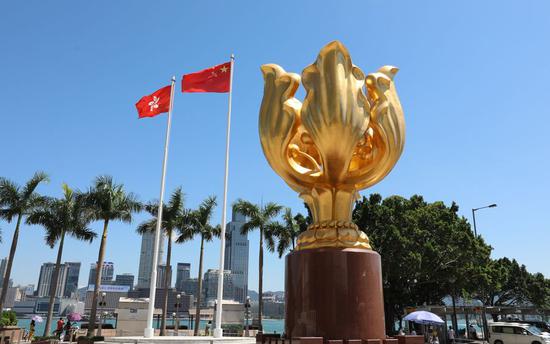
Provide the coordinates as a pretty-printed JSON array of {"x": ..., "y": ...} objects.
[{"x": 181, "y": 340}]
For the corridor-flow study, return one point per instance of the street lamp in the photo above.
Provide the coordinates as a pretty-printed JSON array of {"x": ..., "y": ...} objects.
[
  {"x": 474, "y": 214},
  {"x": 177, "y": 305},
  {"x": 247, "y": 316},
  {"x": 174, "y": 321},
  {"x": 102, "y": 303}
]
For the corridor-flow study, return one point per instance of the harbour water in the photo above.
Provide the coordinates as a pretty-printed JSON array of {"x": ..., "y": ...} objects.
[{"x": 270, "y": 325}]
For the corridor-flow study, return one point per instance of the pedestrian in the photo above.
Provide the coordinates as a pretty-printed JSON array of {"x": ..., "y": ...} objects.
[
  {"x": 401, "y": 332},
  {"x": 68, "y": 330},
  {"x": 451, "y": 335},
  {"x": 59, "y": 327},
  {"x": 413, "y": 332},
  {"x": 207, "y": 328},
  {"x": 32, "y": 327},
  {"x": 472, "y": 332}
]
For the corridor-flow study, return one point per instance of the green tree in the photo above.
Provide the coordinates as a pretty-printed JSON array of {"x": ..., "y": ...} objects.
[
  {"x": 427, "y": 250},
  {"x": 16, "y": 203},
  {"x": 106, "y": 201},
  {"x": 286, "y": 232},
  {"x": 61, "y": 217},
  {"x": 261, "y": 218},
  {"x": 198, "y": 223},
  {"x": 172, "y": 219}
]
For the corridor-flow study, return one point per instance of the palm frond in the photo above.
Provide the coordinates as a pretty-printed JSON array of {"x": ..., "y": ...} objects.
[
  {"x": 9, "y": 193},
  {"x": 31, "y": 185}
]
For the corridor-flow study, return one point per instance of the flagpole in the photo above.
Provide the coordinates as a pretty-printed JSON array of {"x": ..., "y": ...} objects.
[
  {"x": 218, "y": 332},
  {"x": 149, "y": 331}
]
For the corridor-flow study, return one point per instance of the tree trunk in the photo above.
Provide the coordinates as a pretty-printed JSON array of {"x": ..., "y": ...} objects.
[
  {"x": 454, "y": 319},
  {"x": 199, "y": 292},
  {"x": 7, "y": 274},
  {"x": 99, "y": 266},
  {"x": 261, "y": 280},
  {"x": 166, "y": 279},
  {"x": 53, "y": 284}
]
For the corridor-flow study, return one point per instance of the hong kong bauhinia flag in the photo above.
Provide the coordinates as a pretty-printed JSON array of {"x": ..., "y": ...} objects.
[
  {"x": 214, "y": 79},
  {"x": 155, "y": 103}
]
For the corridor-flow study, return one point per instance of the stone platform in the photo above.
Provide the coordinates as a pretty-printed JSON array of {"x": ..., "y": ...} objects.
[{"x": 181, "y": 340}]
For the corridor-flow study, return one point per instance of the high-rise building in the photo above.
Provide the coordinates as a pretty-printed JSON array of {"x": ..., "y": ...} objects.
[
  {"x": 3, "y": 264},
  {"x": 236, "y": 256},
  {"x": 183, "y": 274},
  {"x": 29, "y": 290},
  {"x": 210, "y": 286},
  {"x": 107, "y": 273},
  {"x": 146, "y": 258},
  {"x": 161, "y": 272},
  {"x": 45, "y": 279},
  {"x": 125, "y": 279},
  {"x": 71, "y": 284},
  {"x": 191, "y": 287}
]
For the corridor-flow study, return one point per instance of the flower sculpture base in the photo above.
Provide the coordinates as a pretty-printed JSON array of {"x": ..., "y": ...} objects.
[{"x": 334, "y": 293}]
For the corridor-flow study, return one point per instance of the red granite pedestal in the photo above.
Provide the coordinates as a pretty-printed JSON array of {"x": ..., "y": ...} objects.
[{"x": 334, "y": 294}]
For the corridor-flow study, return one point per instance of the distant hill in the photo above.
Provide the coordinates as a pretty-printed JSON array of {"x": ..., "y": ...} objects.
[{"x": 254, "y": 294}]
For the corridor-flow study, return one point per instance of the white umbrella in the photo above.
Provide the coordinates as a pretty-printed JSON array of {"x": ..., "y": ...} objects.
[
  {"x": 425, "y": 318},
  {"x": 37, "y": 318}
]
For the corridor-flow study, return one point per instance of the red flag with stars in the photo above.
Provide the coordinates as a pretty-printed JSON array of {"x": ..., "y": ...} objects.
[
  {"x": 214, "y": 79},
  {"x": 155, "y": 103}
]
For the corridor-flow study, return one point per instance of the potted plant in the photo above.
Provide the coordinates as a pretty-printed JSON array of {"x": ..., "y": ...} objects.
[{"x": 8, "y": 327}]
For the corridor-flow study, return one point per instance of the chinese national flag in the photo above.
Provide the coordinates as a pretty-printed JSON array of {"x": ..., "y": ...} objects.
[
  {"x": 155, "y": 103},
  {"x": 214, "y": 79}
]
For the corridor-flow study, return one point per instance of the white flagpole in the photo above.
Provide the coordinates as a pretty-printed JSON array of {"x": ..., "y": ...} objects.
[
  {"x": 149, "y": 331},
  {"x": 218, "y": 332}
]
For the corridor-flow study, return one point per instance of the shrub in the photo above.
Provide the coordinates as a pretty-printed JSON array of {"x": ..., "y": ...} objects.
[{"x": 8, "y": 319}]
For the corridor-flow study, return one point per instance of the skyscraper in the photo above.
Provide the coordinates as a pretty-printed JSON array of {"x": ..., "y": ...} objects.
[
  {"x": 45, "y": 279},
  {"x": 211, "y": 286},
  {"x": 107, "y": 273},
  {"x": 146, "y": 258},
  {"x": 71, "y": 284},
  {"x": 183, "y": 274},
  {"x": 236, "y": 256},
  {"x": 161, "y": 272}
]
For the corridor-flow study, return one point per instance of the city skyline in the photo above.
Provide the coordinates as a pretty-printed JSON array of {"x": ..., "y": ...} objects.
[{"x": 71, "y": 78}]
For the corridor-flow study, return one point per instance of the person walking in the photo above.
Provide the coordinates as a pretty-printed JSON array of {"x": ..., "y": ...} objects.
[
  {"x": 451, "y": 335},
  {"x": 68, "y": 326},
  {"x": 32, "y": 328},
  {"x": 59, "y": 327}
]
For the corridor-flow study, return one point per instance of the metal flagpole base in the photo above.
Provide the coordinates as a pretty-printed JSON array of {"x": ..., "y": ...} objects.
[
  {"x": 149, "y": 332},
  {"x": 218, "y": 333}
]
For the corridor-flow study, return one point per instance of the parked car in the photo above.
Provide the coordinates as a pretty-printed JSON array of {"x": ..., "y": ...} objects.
[
  {"x": 542, "y": 325},
  {"x": 516, "y": 333}
]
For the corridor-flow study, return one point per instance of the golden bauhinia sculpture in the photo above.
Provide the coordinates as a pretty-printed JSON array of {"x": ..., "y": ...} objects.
[{"x": 340, "y": 140}]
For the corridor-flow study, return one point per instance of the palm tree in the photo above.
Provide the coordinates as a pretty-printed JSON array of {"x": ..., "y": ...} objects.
[
  {"x": 61, "y": 217},
  {"x": 286, "y": 233},
  {"x": 106, "y": 201},
  {"x": 173, "y": 216},
  {"x": 261, "y": 218},
  {"x": 17, "y": 202},
  {"x": 198, "y": 223}
]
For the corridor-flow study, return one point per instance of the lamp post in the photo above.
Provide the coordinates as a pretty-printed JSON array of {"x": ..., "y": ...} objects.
[
  {"x": 102, "y": 304},
  {"x": 247, "y": 316},
  {"x": 176, "y": 314},
  {"x": 174, "y": 318},
  {"x": 474, "y": 214}
]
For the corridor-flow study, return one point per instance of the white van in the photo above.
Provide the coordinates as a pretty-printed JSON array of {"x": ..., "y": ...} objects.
[{"x": 516, "y": 333}]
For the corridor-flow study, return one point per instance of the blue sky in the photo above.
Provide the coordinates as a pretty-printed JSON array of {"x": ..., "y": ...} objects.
[{"x": 473, "y": 83}]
